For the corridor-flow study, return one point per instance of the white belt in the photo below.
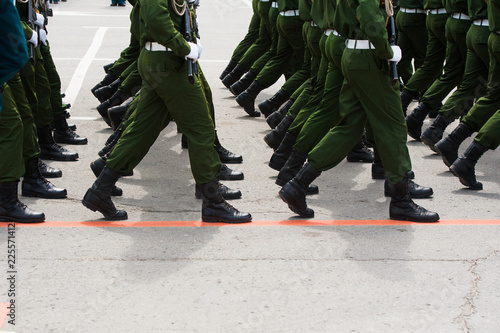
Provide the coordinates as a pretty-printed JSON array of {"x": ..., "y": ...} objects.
[
  {"x": 331, "y": 31},
  {"x": 274, "y": 4},
  {"x": 460, "y": 16},
  {"x": 264, "y": 0},
  {"x": 292, "y": 12},
  {"x": 483, "y": 22},
  {"x": 154, "y": 46},
  {"x": 313, "y": 24},
  {"x": 359, "y": 44},
  {"x": 412, "y": 10},
  {"x": 436, "y": 11}
]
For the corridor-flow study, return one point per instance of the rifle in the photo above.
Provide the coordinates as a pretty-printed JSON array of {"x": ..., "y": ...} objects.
[
  {"x": 392, "y": 42},
  {"x": 33, "y": 26},
  {"x": 192, "y": 67}
]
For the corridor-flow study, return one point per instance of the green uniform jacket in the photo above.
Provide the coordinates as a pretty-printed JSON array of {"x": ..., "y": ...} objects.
[
  {"x": 365, "y": 11},
  {"x": 433, "y": 4},
  {"x": 411, "y": 4},
  {"x": 456, "y": 6},
  {"x": 161, "y": 27},
  {"x": 494, "y": 15},
  {"x": 478, "y": 10},
  {"x": 305, "y": 10},
  {"x": 288, "y": 5}
]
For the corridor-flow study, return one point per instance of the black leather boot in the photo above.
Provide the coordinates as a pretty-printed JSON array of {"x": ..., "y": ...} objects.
[
  {"x": 280, "y": 156},
  {"x": 228, "y": 69},
  {"x": 277, "y": 116},
  {"x": 464, "y": 167},
  {"x": 416, "y": 191},
  {"x": 108, "y": 67},
  {"x": 435, "y": 131},
  {"x": 273, "y": 104},
  {"x": 247, "y": 99},
  {"x": 13, "y": 210},
  {"x": 47, "y": 171},
  {"x": 292, "y": 166},
  {"x": 234, "y": 76},
  {"x": 108, "y": 79},
  {"x": 448, "y": 146},
  {"x": 294, "y": 192},
  {"x": 216, "y": 209},
  {"x": 117, "y": 99},
  {"x": 415, "y": 120},
  {"x": 378, "y": 171},
  {"x": 403, "y": 208},
  {"x": 229, "y": 174},
  {"x": 406, "y": 98},
  {"x": 50, "y": 150},
  {"x": 99, "y": 164},
  {"x": 110, "y": 142},
  {"x": 62, "y": 133},
  {"x": 242, "y": 84},
  {"x": 116, "y": 115},
  {"x": 225, "y": 155},
  {"x": 105, "y": 93},
  {"x": 98, "y": 196},
  {"x": 35, "y": 185},
  {"x": 274, "y": 138},
  {"x": 360, "y": 153},
  {"x": 225, "y": 191}
]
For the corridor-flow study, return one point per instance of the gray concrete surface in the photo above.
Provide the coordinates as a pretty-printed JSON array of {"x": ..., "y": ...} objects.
[{"x": 395, "y": 278}]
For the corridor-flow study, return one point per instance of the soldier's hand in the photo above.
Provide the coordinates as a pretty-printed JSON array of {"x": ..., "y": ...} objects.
[
  {"x": 43, "y": 36},
  {"x": 40, "y": 20},
  {"x": 193, "y": 54},
  {"x": 34, "y": 39},
  {"x": 397, "y": 54}
]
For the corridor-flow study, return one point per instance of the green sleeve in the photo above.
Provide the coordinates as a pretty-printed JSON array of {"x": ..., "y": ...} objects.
[
  {"x": 372, "y": 22},
  {"x": 156, "y": 16},
  {"x": 28, "y": 32}
]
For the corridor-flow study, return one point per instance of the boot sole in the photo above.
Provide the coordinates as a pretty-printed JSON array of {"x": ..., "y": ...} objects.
[
  {"x": 405, "y": 218},
  {"x": 39, "y": 195},
  {"x": 210, "y": 219},
  {"x": 9, "y": 219},
  {"x": 429, "y": 143},
  {"x": 95, "y": 209},
  {"x": 476, "y": 187},
  {"x": 292, "y": 208}
]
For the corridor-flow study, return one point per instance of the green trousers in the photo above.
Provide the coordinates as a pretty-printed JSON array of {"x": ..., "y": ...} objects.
[
  {"x": 487, "y": 105},
  {"x": 318, "y": 86},
  {"x": 366, "y": 95},
  {"x": 127, "y": 57},
  {"x": 432, "y": 67},
  {"x": 260, "y": 63},
  {"x": 31, "y": 148},
  {"x": 327, "y": 114},
  {"x": 263, "y": 43},
  {"x": 489, "y": 134},
  {"x": 475, "y": 78},
  {"x": 11, "y": 139},
  {"x": 290, "y": 44},
  {"x": 412, "y": 39},
  {"x": 166, "y": 93},
  {"x": 456, "y": 53},
  {"x": 53, "y": 79},
  {"x": 131, "y": 80},
  {"x": 252, "y": 34}
]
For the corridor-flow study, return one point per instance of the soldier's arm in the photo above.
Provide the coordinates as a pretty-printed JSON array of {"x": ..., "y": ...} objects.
[
  {"x": 159, "y": 24},
  {"x": 372, "y": 22}
]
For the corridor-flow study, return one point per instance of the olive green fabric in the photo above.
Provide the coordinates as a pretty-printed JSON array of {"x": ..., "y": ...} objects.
[
  {"x": 252, "y": 34},
  {"x": 489, "y": 135},
  {"x": 259, "y": 64},
  {"x": 53, "y": 79}
]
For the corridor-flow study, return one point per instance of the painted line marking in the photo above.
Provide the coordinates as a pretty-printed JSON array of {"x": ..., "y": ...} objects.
[
  {"x": 3, "y": 313},
  {"x": 84, "y": 118},
  {"x": 70, "y": 13},
  {"x": 81, "y": 70},
  {"x": 177, "y": 224}
]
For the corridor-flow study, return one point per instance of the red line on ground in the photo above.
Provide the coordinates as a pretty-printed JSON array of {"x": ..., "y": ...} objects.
[
  {"x": 3, "y": 313},
  {"x": 174, "y": 224}
]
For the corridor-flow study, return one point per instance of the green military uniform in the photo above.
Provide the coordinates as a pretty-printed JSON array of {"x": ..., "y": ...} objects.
[
  {"x": 251, "y": 36},
  {"x": 411, "y": 36},
  {"x": 476, "y": 67},
  {"x": 290, "y": 43},
  {"x": 436, "y": 48},
  {"x": 488, "y": 105},
  {"x": 165, "y": 94},
  {"x": 366, "y": 93},
  {"x": 457, "y": 26}
]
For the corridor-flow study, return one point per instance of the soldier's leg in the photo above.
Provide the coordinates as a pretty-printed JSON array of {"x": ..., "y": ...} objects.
[{"x": 412, "y": 39}]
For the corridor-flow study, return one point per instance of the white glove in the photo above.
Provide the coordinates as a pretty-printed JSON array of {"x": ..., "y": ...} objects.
[
  {"x": 200, "y": 47},
  {"x": 43, "y": 36},
  {"x": 47, "y": 4},
  {"x": 397, "y": 54},
  {"x": 34, "y": 39},
  {"x": 40, "y": 20},
  {"x": 193, "y": 54}
]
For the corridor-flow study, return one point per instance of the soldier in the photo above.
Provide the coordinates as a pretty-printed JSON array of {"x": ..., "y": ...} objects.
[
  {"x": 166, "y": 94},
  {"x": 366, "y": 95},
  {"x": 13, "y": 56}
]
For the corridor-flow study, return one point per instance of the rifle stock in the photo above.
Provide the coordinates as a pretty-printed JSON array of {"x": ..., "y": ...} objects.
[{"x": 393, "y": 64}]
